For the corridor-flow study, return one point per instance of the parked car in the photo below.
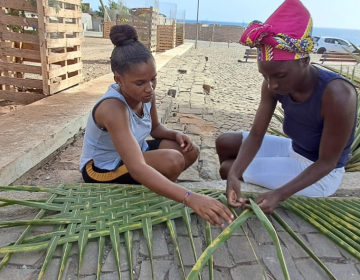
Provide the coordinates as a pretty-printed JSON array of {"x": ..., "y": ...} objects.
[{"x": 323, "y": 44}]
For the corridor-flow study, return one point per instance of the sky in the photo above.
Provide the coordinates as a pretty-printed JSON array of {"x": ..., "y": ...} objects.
[{"x": 325, "y": 13}]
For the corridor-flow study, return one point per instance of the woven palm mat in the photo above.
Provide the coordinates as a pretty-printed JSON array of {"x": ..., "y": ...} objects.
[
  {"x": 81, "y": 212},
  {"x": 89, "y": 211}
]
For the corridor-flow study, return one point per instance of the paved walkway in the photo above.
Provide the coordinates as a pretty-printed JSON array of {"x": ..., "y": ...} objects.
[{"x": 230, "y": 104}]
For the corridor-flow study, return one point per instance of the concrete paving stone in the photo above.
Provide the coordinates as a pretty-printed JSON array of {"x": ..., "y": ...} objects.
[
  {"x": 303, "y": 226},
  {"x": 22, "y": 273},
  {"x": 219, "y": 274},
  {"x": 160, "y": 248},
  {"x": 9, "y": 235},
  {"x": 222, "y": 257},
  {"x": 191, "y": 174},
  {"x": 161, "y": 268},
  {"x": 175, "y": 272},
  {"x": 283, "y": 215},
  {"x": 208, "y": 154},
  {"x": 261, "y": 235},
  {"x": 182, "y": 230},
  {"x": 344, "y": 271},
  {"x": 74, "y": 250},
  {"x": 209, "y": 170},
  {"x": 197, "y": 88},
  {"x": 26, "y": 258},
  {"x": 52, "y": 271},
  {"x": 309, "y": 269},
  {"x": 89, "y": 265},
  {"x": 199, "y": 130},
  {"x": 294, "y": 248},
  {"x": 110, "y": 262},
  {"x": 322, "y": 246},
  {"x": 186, "y": 250},
  {"x": 247, "y": 272},
  {"x": 268, "y": 254},
  {"x": 114, "y": 276},
  {"x": 208, "y": 118},
  {"x": 187, "y": 118},
  {"x": 241, "y": 250},
  {"x": 208, "y": 143},
  {"x": 185, "y": 110}
]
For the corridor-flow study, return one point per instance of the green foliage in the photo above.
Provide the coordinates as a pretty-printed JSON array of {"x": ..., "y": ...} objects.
[{"x": 84, "y": 212}]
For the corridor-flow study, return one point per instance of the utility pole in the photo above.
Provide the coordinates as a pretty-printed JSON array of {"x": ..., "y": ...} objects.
[{"x": 197, "y": 25}]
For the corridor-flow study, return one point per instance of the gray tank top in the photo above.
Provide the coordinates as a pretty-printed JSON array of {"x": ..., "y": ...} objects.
[{"x": 98, "y": 145}]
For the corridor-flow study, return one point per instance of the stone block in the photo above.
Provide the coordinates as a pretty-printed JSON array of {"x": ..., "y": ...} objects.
[
  {"x": 222, "y": 257},
  {"x": 110, "y": 262},
  {"x": 186, "y": 250},
  {"x": 294, "y": 248},
  {"x": 181, "y": 227},
  {"x": 53, "y": 269},
  {"x": 309, "y": 269},
  {"x": 322, "y": 246},
  {"x": 89, "y": 265},
  {"x": 160, "y": 248},
  {"x": 9, "y": 273},
  {"x": 161, "y": 268},
  {"x": 240, "y": 249},
  {"x": 247, "y": 272},
  {"x": 268, "y": 254}
]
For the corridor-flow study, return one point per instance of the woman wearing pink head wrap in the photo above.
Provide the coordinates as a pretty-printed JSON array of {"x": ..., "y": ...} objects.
[{"x": 320, "y": 117}]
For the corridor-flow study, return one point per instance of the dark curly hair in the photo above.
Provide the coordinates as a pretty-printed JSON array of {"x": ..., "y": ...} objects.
[{"x": 128, "y": 51}]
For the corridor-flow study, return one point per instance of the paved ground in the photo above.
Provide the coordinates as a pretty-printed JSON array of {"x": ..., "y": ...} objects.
[{"x": 229, "y": 105}]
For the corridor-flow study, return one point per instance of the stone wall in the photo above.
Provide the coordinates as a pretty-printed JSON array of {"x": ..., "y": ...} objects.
[{"x": 222, "y": 33}]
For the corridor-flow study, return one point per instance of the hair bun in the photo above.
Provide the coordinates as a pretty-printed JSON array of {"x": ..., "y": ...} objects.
[{"x": 121, "y": 35}]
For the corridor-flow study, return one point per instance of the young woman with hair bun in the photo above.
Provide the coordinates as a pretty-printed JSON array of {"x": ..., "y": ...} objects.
[{"x": 115, "y": 148}]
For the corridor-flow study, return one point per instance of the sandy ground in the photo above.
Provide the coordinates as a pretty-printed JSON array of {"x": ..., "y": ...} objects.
[{"x": 96, "y": 54}]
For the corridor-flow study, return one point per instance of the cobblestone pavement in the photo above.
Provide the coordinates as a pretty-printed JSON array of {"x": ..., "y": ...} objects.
[{"x": 229, "y": 104}]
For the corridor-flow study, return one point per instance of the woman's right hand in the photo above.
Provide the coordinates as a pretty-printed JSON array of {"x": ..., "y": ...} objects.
[
  {"x": 233, "y": 192},
  {"x": 209, "y": 209}
]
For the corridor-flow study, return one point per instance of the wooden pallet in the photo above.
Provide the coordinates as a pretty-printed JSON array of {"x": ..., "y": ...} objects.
[{"x": 41, "y": 49}]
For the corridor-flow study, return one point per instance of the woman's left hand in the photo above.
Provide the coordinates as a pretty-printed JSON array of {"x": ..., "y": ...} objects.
[
  {"x": 268, "y": 201},
  {"x": 184, "y": 142}
]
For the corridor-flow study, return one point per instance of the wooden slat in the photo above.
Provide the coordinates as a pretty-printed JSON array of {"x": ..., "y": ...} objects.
[
  {"x": 43, "y": 50},
  {"x": 19, "y": 37},
  {"x": 27, "y": 54},
  {"x": 56, "y": 57},
  {"x": 17, "y": 67},
  {"x": 63, "y": 70},
  {"x": 27, "y": 83},
  {"x": 339, "y": 59},
  {"x": 19, "y": 5},
  {"x": 74, "y": 2},
  {"x": 65, "y": 84},
  {"x": 51, "y": 12},
  {"x": 65, "y": 42},
  {"x": 60, "y": 27},
  {"x": 21, "y": 21}
]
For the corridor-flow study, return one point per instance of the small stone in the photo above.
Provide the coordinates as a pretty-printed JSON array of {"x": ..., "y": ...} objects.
[{"x": 47, "y": 178}]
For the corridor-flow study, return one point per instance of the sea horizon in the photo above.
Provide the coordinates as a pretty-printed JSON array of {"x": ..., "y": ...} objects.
[{"x": 352, "y": 35}]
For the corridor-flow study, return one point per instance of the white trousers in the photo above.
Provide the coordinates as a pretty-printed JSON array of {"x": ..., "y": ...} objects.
[{"x": 276, "y": 164}]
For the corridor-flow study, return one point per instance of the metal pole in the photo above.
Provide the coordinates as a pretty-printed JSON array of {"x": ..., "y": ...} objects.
[{"x": 197, "y": 25}]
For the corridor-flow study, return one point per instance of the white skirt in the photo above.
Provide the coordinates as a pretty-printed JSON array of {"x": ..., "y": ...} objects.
[{"x": 276, "y": 164}]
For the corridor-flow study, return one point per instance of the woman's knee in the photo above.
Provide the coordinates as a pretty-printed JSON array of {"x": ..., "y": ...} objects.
[
  {"x": 228, "y": 142},
  {"x": 174, "y": 162}
]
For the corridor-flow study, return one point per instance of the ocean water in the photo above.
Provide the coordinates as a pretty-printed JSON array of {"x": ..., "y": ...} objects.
[{"x": 352, "y": 35}]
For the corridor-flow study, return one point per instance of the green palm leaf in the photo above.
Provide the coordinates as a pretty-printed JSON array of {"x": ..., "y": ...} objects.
[
  {"x": 88, "y": 211},
  {"x": 270, "y": 229}
]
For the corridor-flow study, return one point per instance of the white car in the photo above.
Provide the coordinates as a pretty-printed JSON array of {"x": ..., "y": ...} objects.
[{"x": 331, "y": 44}]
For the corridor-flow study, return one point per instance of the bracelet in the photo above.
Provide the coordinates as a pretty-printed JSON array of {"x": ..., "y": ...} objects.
[{"x": 186, "y": 195}]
